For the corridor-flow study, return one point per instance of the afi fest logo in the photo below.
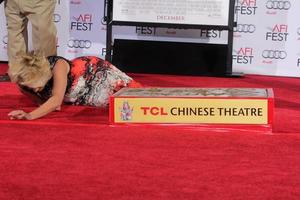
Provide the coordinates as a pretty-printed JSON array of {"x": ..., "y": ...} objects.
[
  {"x": 82, "y": 23},
  {"x": 271, "y": 55},
  {"x": 246, "y": 7},
  {"x": 210, "y": 33},
  {"x": 243, "y": 56},
  {"x": 277, "y": 5},
  {"x": 278, "y": 33},
  {"x": 142, "y": 30}
]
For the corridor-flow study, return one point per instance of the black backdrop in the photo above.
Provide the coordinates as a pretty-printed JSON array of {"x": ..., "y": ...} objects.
[{"x": 170, "y": 57}]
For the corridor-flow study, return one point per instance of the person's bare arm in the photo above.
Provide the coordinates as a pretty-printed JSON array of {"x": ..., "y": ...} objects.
[{"x": 60, "y": 72}]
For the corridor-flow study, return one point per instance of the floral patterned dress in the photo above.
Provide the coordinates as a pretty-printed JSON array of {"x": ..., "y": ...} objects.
[{"x": 91, "y": 81}]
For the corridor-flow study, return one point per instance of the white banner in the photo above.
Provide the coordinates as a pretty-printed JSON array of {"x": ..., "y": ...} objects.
[
  {"x": 80, "y": 27},
  {"x": 267, "y": 39},
  {"x": 199, "y": 12},
  {"x": 3, "y": 35}
]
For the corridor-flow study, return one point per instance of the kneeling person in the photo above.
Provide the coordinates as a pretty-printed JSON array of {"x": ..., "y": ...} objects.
[{"x": 55, "y": 80}]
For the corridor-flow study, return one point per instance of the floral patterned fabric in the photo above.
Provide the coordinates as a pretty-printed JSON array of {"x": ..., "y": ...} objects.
[{"x": 91, "y": 81}]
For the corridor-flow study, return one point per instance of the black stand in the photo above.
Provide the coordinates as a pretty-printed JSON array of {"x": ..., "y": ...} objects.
[{"x": 231, "y": 24}]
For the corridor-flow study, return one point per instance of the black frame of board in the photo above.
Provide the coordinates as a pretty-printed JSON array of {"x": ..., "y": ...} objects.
[{"x": 108, "y": 18}]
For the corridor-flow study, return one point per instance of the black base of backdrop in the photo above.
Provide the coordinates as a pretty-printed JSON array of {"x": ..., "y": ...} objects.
[{"x": 157, "y": 57}]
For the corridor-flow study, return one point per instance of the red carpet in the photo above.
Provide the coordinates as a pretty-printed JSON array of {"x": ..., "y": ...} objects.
[
  {"x": 3, "y": 68},
  {"x": 75, "y": 154}
]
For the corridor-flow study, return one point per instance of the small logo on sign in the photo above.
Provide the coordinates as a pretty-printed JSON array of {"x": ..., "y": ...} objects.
[{"x": 126, "y": 111}]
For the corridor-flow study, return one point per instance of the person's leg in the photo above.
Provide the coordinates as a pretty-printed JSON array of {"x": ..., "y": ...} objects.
[
  {"x": 16, "y": 29},
  {"x": 40, "y": 15}
]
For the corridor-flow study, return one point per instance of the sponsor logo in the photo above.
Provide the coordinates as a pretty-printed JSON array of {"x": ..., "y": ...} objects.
[
  {"x": 278, "y": 33},
  {"x": 245, "y": 28},
  {"x": 154, "y": 111},
  {"x": 243, "y": 56},
  {"x": 82, "y": 44},
  {"x": 278, "y": 4},
  {"x": 58, "y": 2},
  {"x": 56, "y": 18},
  {"x": 82, "y": 23},
  {"x": 298, "y": 31},
  {"x": 246, "y": 7},
  {"x": 4, "y": 40},
  {"x": 298, "y": 62},
  {"x": 274, "y": 54},
  {"x": 210, "y": 33}
]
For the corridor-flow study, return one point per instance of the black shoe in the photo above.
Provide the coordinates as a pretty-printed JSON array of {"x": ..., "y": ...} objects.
[{"x": 4, "y": 78}]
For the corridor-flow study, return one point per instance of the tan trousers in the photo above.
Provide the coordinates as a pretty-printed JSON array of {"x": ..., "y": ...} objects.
[{"x": 40, "y": 14}]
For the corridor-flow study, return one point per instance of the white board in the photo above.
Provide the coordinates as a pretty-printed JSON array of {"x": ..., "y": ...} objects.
[{"x": 190, "y": 12}]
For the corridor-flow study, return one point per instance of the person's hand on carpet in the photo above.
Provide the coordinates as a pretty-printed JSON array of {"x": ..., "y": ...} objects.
[
  {"x": 19, "y": 114},
  {"x": 58, "y": 108}
]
